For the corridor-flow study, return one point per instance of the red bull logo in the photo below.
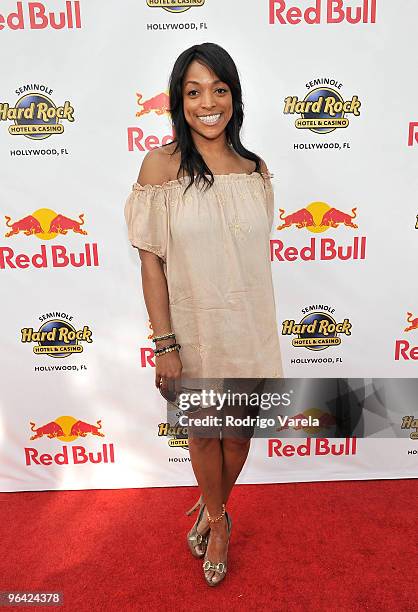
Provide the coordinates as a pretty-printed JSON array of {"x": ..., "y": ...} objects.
[
  {"x": 321, "y": 447},
  {"x": 45, "y": 224},
  {"x": 413, "y": 322},
  {"x": 138, "y": 139},
  {"x": 175, "y": 6},
  {"x": 35, "y": 16},
  {"x": 159, "y": 104},
  {"x": 403, "y": 349},
  {"x": 311, "y": 421},
  {"x": 68, "y": 429},
  {"x": 317, "y": 218},
  {"x": 321, "y": 11},
  {"x": 57, "y": 338}
]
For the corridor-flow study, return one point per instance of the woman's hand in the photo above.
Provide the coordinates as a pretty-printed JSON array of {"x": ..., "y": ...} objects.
[{"x": 168, "y": 368}]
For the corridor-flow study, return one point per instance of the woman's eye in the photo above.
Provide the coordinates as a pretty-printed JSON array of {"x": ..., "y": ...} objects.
[{"x": 191, "y": 93}]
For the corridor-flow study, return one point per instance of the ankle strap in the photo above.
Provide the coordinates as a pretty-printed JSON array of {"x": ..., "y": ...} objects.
[{"x": 218, "y": 518}]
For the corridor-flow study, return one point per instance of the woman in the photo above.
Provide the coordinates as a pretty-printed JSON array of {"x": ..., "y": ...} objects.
[{"x": 200, "y": 214}]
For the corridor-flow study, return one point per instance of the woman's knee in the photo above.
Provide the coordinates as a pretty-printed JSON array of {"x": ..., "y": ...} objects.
[
  {"x": 236, "y": 444},
  {"x": 203, "y": 444}
]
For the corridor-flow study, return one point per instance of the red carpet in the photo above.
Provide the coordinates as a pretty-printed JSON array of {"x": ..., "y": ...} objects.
[{"x": 346, "y": 546}]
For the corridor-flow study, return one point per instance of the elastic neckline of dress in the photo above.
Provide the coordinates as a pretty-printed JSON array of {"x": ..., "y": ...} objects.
[{"x": 231, "y": 175}]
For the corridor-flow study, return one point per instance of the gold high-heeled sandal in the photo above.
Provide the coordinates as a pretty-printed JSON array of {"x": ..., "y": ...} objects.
[
  {"x": 220, "y": 567},
  {"x": 194, "y": 538}
]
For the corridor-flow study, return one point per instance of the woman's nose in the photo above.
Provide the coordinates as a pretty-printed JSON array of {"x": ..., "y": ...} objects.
[{"x": 208, "y": 100}]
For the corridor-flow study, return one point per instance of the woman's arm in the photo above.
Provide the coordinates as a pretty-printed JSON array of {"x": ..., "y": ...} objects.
[{"x": 154, "y": 283}]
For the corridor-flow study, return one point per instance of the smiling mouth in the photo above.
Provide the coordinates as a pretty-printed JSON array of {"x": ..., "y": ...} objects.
[{"x": 210, "y": 119}]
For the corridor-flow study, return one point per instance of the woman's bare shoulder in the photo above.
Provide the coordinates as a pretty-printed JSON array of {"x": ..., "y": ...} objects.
[
  {"x": 249, "y": 165},
  {"x": 158, "y": 166},
  {"x": 263, "y": 166}
]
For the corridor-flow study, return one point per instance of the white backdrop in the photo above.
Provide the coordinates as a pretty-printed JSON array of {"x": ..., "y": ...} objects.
[{"x": 93, "y": 60}]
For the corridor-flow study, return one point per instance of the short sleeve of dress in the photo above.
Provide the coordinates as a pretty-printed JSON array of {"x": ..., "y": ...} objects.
[
  {"x": 147, "y": 219},
  {"x": 269, "y": 198}
]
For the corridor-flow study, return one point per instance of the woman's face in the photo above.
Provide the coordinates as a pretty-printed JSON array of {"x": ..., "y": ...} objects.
[{"x": 207, "y": 101}]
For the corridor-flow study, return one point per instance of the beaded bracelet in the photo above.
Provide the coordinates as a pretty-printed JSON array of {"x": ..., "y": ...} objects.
[
  {"x": 163, "y": 337},
  {"x": 167, "y": 349}
]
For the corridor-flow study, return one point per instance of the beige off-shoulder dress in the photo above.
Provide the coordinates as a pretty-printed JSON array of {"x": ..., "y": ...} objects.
[{"x": 215, "y": 248}]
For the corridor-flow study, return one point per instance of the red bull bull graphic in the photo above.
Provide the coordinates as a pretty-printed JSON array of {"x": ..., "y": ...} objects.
[
  {"x": 296, "y": 12},
  {"x": 45, "y": 224},
  {"x": 68, "y": 429},
  {"x": 404, "y": 350},
  {"x": 312, "y": 421},
  {"x": 317, "y": 330},
  {"x": 175, "y": 6},
  {"x": 51, "y": 430},
  {"x": 36, "y": 16},
  {"x": 58, "y": 224},
  {"x": 317, "y": 218},
  {"x": 57, "y": 338},
  {"x": 35, "y": 114},
  {"x": 413, "y": 322},
  {"x": 138, "y": 138},
  {"x": 320, "y": 447},
  {"x": 159, "y": 104}
]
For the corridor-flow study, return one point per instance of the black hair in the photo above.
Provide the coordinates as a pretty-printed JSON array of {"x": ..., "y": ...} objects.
[{"x": 222, "y": 64}]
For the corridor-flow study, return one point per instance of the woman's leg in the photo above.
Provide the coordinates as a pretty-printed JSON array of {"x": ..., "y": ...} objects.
[
  {"x": 206, "y": 459},
  {"x": 217, "y": 464},
  {"x": 207, "y": 462},
  {"x": 236, "y": 440},
  {"x": 235, "y": 453}
]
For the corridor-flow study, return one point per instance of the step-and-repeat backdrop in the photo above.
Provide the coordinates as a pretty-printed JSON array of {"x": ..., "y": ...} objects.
[{"x": 331, "y": 103}]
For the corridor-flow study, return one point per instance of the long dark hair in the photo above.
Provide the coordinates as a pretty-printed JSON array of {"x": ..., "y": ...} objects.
[{"x": 222, "y": 64}]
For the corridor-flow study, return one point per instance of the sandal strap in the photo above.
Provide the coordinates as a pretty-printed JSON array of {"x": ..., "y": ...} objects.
[
  {"x": 198, "y": 538},
  {"x": 216, "y": 567},
  {"x": 195, "y": 537}
]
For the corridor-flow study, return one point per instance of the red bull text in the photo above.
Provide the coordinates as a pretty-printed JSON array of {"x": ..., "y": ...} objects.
[
  {"x": 312, "y": 446},
  {"x": 75, "y": 454},
  {"x": 36, "y": 16},
  {"x": 322, "y": 11},
  {"x": 54, "y": 256},
  {"x": 323, "y": 249}
]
